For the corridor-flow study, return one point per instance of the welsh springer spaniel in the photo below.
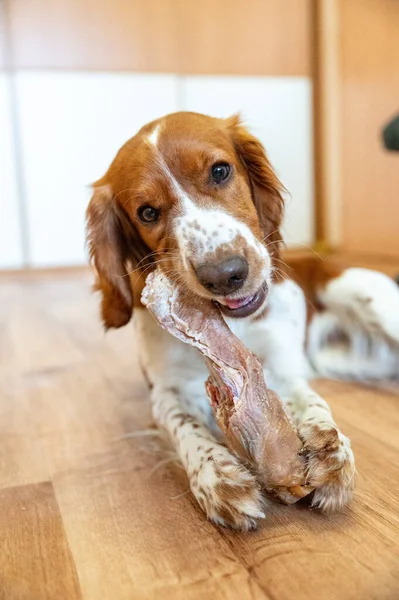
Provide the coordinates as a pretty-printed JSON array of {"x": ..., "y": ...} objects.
[{"x": 197, "y": 196}]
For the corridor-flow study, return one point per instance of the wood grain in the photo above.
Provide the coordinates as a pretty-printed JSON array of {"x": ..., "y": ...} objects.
[
  {"x": 88, "y": 511},
  {"x": 327, "y": 122},
  {"x": 35, "y": 560},
  {"x": 248, "y": 38},
  {"x": 3, "y": 37},
  {"x": 120, "y": 35},
  {"x": 341, "y": 554},
  {"x": 177, "y": 36},
  {"x": 369, "y": 99}
]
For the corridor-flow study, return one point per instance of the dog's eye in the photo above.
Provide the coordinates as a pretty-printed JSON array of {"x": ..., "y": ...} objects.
[
  {"x": 220, "y": 172},
  {"x": 148, "y": 214}
]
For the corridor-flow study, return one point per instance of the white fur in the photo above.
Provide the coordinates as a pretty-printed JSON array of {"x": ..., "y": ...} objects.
[
  {"x": 177, "y": 373},
  {"x": 363, "y": 306},
  {"x": 153, "y": 137},
  {"x": 200, "y": 231},
  {"x": 369, "y": 297},
  {"x": 278, "y": 339}
]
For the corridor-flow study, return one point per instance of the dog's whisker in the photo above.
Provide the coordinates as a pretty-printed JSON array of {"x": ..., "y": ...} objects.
[
  {"x": 270, "y": 234},
  {"x": 283, "y": 263},
  {"x": 323, "y": 258},
  {"x": 273, "y": 243},
  {"x": 143, "y": 269}
]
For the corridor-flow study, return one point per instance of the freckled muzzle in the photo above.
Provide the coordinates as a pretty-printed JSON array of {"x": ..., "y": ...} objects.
[{"x": 223, "y": 260}]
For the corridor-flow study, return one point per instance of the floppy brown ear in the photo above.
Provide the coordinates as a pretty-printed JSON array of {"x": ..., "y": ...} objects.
[
  {"x": 266, "y": 187},
  {"x": 110, "y": 241}
]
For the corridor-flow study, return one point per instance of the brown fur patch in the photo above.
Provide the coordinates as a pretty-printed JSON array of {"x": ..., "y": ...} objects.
[
  {"x": 188, "y": 143},
  {"x": 322, "y": 439}
]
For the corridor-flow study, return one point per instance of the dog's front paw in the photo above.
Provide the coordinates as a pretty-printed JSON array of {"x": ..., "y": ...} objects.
[
  {"x": 227, "y": 492},
  {"x": 330, "y": 466}
]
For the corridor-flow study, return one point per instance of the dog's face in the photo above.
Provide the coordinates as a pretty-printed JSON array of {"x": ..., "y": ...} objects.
[{"x": 197, "y": 196}]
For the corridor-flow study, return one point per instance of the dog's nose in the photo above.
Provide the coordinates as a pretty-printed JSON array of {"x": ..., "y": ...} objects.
[{"x": 225, "y": 277}]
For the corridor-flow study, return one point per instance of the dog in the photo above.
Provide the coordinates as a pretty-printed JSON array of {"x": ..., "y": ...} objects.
[{"x": 197, "y": 197}]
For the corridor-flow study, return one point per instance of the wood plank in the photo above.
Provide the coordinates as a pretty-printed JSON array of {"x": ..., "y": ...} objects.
[
  {"x": 356, "y": 84},
  {"x": 35, "y": 561},
  {"x": 231, "y": 37},
  {"x": 125, "y": 520},
  {"x": 76, "y": 410},
  {"x": 47, "y": 422},
  {"x": 327, "y": 122},
  {"x": 368, "y": 97},
  {"x": 120, "y": 35},
  {"x": 4, "y": 63},
  {"x": 172, "y": 36},
  {"x": 145, "y": 532},
  {"x": 376, "y": 262},
  {"x": 306, "y": 555}
]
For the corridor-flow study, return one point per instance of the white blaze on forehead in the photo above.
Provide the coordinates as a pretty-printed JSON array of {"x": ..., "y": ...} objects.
[
  {"x": 153, "y": 137},
  {"x": 201, "y": 230},
  {"x": 177, "y": 188},
  {"x": 181, "y": 195}
]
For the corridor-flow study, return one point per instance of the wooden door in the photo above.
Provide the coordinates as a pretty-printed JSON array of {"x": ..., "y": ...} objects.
[{"x": 359, "y": 93}]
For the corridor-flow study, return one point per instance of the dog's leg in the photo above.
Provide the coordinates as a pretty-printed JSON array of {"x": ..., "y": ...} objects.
[
  {"x": 226, "y": 491},
  {"x": 331, "y": 465},
  {"x": 367, "y": 297},
  {"x": 341, "y": 348},
  {"x": 282, "y": 335},
  {"x": 357, "y": 336},
  {"x": 222, "y": 486}
]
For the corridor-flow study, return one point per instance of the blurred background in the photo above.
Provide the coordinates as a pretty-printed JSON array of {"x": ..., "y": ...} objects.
[{"x": 315, "y": 80}]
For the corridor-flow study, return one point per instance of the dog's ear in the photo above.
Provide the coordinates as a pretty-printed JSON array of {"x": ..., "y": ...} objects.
[
  {"x": 112, "y": 242},
  {"x": 265, "y": 186}
]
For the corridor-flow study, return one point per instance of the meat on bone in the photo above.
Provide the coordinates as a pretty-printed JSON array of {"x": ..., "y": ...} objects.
[{"x": 253, "y": 419}]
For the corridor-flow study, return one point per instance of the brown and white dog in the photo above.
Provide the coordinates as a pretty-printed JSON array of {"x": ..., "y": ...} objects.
[{"x": 197, "y": 196}]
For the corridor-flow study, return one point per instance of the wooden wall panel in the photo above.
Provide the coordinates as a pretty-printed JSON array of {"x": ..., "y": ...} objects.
[
  {"x": 254, "y": 37},
  {"x": 369, "y": 98},
  {"x": 3, "y": 41},
  {"x": 264, "y": 37},
  {"x": 327, "y": 123},
  {"x": 103, "y": 35}
]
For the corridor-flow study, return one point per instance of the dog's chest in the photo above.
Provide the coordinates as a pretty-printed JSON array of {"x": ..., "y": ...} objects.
[
  {"x": 254, "y": 335},
  {"x": 282, "y": 326}
]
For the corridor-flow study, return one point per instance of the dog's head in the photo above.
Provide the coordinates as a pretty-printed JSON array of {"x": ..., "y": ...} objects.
[{"x": 197, "y": 196}]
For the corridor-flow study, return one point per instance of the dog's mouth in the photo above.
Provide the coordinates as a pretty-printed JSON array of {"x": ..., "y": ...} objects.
[{"x": 239, "y": 308}]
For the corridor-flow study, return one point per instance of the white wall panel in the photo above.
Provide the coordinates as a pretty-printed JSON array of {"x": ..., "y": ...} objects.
[
  {"x": 10, "y": 236},
  {"x": 72, "y": 125},
  {"x": 279, "y": 111}
]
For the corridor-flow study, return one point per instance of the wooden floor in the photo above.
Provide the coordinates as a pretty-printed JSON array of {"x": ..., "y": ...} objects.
[{"x": 86, "y": 513}]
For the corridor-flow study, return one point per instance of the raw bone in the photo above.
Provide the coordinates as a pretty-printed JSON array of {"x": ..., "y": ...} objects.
[{"x": 252, "y": 417}]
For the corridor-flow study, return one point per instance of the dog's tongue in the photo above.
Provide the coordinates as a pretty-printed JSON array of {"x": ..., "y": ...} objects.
[{"x": 232, "y": 304}]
